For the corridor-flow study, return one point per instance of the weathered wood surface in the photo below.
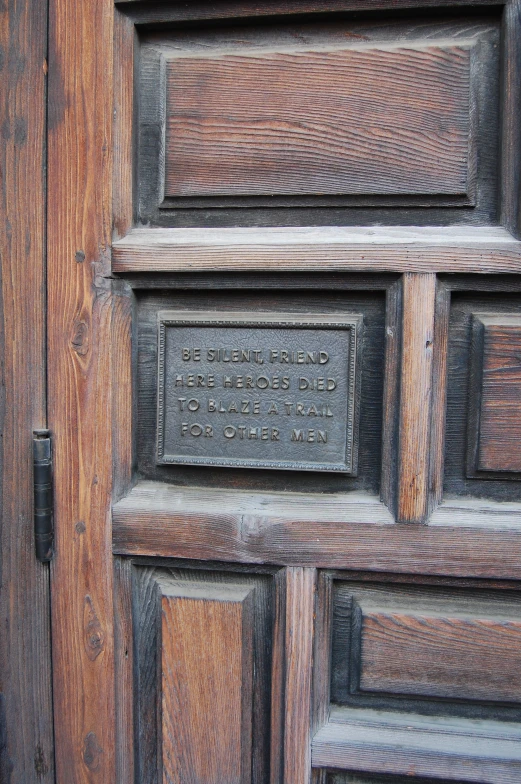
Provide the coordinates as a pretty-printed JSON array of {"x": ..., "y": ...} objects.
[
  {"x": 453, "y": 749},
  {"x": 300, "y": 611},
  {"x": 495, "y": 394},
  {"x": 81, "y": 112},
  {"x": 375, "y": 249},
  {"x": 463, "y": 398},
  {"x": 510, "y": 169},
  {"x": 390, "y": 120},
  {"x": 26, "y": 740},
  {"x": 466, "y": 651},
  {"x": 165, "y": 660},
  {"x": 206, "y": 692},
  {"x": 416, "y": 389},
  {"x": 342, "y": 531}
]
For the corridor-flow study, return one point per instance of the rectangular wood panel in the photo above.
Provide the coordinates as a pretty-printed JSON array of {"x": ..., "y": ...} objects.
[
  {"x": 441, "y": 656},
  {"x": 495, "y": 437},
  {"x": 206, "y": 655},
  {"x": 361, "y": 120}
]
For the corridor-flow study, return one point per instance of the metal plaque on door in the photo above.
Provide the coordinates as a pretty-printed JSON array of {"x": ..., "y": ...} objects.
[{"x": 258, "y": 390}]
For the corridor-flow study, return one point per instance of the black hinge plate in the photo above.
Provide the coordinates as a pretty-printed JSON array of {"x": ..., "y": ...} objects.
[{"x": 43, "y": 495}]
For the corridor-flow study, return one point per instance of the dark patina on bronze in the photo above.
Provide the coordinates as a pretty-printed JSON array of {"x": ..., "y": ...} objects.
[{"x": 263, "y": 390}]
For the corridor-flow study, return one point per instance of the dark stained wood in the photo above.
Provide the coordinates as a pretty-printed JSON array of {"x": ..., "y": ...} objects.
[
  {"x": 495, "y": 394},
  {"x": 327, "y": 531},
  {"x": 370, "y": 304},
  {"x": 322, "y": 650},
  {"x": 153, "y": 12},
  {"x": 278, "y": 680},
  {"x": 419, "y": 296},
  {"x": 207, "y": 672},
  {"x": 375, "y": 249},
  {"x": 441, "y": 646},
  {"x": 372, "y": 121},
  {"x": 300, "y": 611},
  {"x": 81, "y": 112},
  {"x": 124, "y": 41},
  {"x": 463, "y": 398},
  {"x": 124, "y": 669},
  {"x": 26, "y": 725},
  {"x": 460, "y": 750},
  {"x": 510, "y": 171},
  {"x": 391, "y": 403},
  {"x": 439, "y": 395}
]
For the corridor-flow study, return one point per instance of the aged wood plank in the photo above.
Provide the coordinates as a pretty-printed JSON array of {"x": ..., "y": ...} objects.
[
  {"x": 475, "y": 512},
  {"x": 419, "y": 295},
  {"x": 237, "y": 8},
  {"x": 124, "y": 670},
  {"x": 300, "y": 609},
  {"x": 124, "y": 41},
  {"x": 79, "y": 334},
  {"x": 510, "y": 169},
  {"x": 495, "y": 394},
  {"x": 322, "y": 531},
  {"x": 455, "y": 749},
  {"x": 382, "y": 120},
  {"x": 439, "y": 647},
  {"x": 206, "y": 692},
  {"x": 391, "y": 401},
  {"x": 26, "y": 745},
  {"x": 439, "y": 395},
  {"x": 375, "y": 249},
  {"x": 278, "y": 681}
]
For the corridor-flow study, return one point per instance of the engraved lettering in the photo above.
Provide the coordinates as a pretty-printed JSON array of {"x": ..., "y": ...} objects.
[{"x": 245, "y": 374}]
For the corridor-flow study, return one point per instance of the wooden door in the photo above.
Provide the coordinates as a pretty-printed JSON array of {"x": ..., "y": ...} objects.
[{"x": 284, "y": 390}]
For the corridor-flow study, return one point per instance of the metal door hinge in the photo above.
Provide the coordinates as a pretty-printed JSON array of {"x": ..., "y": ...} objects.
[{"x": 43, "y": 495}]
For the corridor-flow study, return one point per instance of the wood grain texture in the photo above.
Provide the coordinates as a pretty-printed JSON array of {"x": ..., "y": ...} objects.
[
  {"x": 495, "y": 394},
  {"x": 335, "y": 531},
  {"x": 470, "y": 652},
  {"x": 510, "y": 169},
  {"x": 322, "y": 650},
  {"x": 207, "y": 671},
  {"x": 464, "y": 382},
  {"x": 368, "y": 121},
  {"x": 80, "y": 372},
  {"x": 439, "y": 395},
  {"x": 300, "y": 611},
  {"x": 419, "y": 294},
  {"x": 124, "y": 670},
  {"x": 236, "y": 8},
  {"x": 278, "y": 680},
  {"x": 123, "y": 163},
  {"x": 26, "y": 736},
  {"x": 150, "y": 585},
  {"x": 453, "y": 749},
  {"x": 391, "y": 417},
  {"x": 375, "y": 249}
]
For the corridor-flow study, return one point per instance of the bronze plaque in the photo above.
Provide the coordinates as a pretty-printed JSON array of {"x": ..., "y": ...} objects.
[{"x": 258, "y": 390}]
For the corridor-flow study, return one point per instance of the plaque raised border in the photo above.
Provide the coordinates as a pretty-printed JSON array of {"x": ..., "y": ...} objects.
[{"x": 350, "y": 322}]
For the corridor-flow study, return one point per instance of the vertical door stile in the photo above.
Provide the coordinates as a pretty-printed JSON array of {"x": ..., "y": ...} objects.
[
  {"x": 80, "y": 355},
  {"x": 419, "y": 305},
  {"x": 300, "y": 610}
]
